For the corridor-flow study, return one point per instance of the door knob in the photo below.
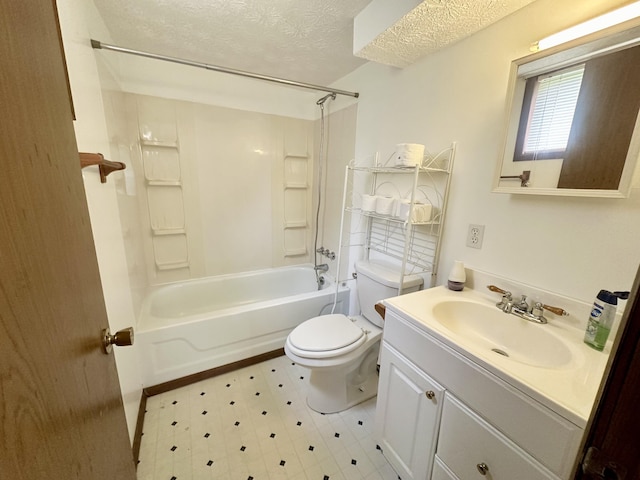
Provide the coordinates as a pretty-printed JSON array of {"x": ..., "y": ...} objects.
[{"x": 121, "y": 338}]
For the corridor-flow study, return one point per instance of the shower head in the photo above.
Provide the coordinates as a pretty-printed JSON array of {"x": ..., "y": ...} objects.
[{"x": 331, "y": 95}]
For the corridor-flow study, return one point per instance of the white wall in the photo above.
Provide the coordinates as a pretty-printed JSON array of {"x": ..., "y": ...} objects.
[
  {"x": 168, "y": 80},
  {"x": 92, "y": 136},
  {"x": 572, "y": 246}
]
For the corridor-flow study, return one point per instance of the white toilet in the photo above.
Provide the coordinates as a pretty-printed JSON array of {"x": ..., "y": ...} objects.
[{"x": 342, "y": 352}]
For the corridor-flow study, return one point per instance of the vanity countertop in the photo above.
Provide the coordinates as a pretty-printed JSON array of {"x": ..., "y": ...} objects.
[{"x": 569, "y": 389}]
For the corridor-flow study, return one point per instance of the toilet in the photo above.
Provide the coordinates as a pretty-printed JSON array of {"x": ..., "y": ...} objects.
[{"x": 341, "y": 351}]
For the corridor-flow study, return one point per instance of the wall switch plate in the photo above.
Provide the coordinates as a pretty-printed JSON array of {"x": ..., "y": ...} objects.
[{"x": 475, "y": 235}]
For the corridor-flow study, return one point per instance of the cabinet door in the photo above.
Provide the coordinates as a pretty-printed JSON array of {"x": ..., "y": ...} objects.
[
  {"x": 472, "y": 449},
  {"x": 407, "y": 415}
]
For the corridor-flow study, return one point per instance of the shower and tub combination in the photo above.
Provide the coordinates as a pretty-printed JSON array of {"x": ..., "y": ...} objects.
[
  {"x": 199, "y": 324},
  {"x": 195, "y": 325}
]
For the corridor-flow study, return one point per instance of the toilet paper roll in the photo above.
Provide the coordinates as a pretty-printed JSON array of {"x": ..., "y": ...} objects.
[
  {"x": 385, "y": 205},
  {"x": 400, "y": 209},
  {"x": 369, "y": 203},
  {"x": 409, "y": 154},
  {"x": 421, "y": 212}
]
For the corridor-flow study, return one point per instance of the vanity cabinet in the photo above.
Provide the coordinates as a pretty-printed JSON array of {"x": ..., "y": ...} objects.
[
  {"x": 478, "y": 426},
  {"x": 409, "y": 406}
]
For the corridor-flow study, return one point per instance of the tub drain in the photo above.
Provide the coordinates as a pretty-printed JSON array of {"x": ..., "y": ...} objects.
[{"x": 500, "y": 352}]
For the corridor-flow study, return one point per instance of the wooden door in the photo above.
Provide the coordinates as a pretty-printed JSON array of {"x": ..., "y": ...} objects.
[{"x": 61, "y": 412}]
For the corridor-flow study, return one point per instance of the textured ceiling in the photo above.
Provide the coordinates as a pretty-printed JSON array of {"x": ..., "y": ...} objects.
[
  {"x": 303, "y": 40},
  {"x": 433, "y": 24}
]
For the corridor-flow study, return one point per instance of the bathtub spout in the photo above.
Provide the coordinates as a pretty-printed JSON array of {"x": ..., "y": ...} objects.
[{"x": 323, "y": 267}]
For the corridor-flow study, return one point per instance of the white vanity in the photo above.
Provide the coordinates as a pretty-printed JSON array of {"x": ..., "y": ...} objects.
[{"x": 469, "y": 392}]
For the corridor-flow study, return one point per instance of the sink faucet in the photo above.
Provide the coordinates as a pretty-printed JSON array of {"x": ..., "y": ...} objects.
[{"x": 522, "y": 309}]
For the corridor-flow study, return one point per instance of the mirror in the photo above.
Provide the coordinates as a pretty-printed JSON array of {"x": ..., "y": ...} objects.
[{"x": 572, "y": 118}]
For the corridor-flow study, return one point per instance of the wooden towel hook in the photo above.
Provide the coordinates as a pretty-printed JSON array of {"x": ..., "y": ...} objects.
[{"x": 104, "y": 166}]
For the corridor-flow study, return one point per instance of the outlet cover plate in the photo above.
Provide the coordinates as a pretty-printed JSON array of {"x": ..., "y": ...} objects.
[{"x": 475, "y": 234}]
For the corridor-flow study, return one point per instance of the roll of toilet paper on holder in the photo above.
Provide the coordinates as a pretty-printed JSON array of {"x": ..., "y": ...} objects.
[
  {"x": 369, "y": 203},
  {"x": 385, "y": 205},
  {"x": 409, "y": 154},
  {"x": 421, "y": 212}
]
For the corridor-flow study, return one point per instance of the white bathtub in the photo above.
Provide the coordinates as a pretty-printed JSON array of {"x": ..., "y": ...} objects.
[{"x": 192, "y": 326}]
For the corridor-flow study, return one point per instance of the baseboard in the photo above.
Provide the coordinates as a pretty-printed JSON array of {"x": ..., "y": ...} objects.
[{"x": 137, "y": 437}]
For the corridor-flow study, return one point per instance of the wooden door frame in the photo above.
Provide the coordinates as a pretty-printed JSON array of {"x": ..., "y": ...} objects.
[{"x": 615, "y": 423}]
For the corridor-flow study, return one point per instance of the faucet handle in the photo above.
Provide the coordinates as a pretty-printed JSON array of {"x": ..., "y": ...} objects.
[
  {"x": 495, "y": 289},
  {"x": 505, "y": 303},
  {"x": 556, "y": 310}
]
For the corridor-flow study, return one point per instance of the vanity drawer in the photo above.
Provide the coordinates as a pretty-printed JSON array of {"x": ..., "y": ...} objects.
[
  {"x": 441, "y": 471},
  {"x": 467, "y": 444}
]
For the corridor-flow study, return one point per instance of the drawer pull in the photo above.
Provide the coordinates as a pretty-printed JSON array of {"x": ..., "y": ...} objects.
[
  {"x": 430, "y": 394},
  {"x": 482, "y": 468}
]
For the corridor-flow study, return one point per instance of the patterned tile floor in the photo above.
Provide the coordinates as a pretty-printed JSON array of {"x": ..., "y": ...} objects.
[{"x": 254, "y": 424}]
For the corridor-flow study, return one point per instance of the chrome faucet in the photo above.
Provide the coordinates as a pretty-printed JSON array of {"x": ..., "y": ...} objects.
[
  {"x": 522, "y": 309},
  {"x": 323, "y": 267}
]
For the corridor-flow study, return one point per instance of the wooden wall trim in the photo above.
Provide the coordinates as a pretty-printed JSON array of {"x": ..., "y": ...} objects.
[{"x": 137, "y": 436}]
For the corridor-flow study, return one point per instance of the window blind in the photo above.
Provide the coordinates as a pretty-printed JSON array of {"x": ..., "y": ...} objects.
[{"x": 552, "y": 111}]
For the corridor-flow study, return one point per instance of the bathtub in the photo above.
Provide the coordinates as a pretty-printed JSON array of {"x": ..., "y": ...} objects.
[{"x": 195, "y": 325}]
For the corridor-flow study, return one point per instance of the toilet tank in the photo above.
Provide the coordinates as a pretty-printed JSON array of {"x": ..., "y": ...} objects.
[{"x": 378, "y": 280}]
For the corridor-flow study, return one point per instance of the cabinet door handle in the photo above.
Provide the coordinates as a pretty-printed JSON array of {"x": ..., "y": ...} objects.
[
  {"x": 482, "y": 468},
  {"x": 430, "y": 394}
]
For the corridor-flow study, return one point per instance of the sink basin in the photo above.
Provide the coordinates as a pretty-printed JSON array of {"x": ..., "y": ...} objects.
[{"x": 487, "y": 328}]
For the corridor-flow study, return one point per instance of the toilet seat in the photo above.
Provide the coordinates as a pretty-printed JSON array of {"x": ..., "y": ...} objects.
[{"x": 326, "y": 336}]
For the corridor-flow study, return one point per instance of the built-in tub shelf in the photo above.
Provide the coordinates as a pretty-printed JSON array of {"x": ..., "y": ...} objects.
[
  {"x": 168, "y": 231},
  {"x": 172, "y": 266},
  {"x": 295, "y": 253},
  {"x": 158, "y": 144},
  {"x": 162, "y": 168},
  {"x": 105, "y": 167},
  {"x": 296, "y": 201},
  {"x": 164, "y": 183},
  {"x": 300, "y": 224}
]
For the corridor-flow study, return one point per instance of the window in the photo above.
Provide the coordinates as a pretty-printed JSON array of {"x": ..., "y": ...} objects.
[{"x": 547, "y": 114}]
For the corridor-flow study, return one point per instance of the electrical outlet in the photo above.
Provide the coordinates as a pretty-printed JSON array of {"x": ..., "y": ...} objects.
[{"x": 474, "y": 236}]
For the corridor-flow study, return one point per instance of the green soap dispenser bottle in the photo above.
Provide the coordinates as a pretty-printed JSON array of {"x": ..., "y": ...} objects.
[{"x": 601, "y": 318}]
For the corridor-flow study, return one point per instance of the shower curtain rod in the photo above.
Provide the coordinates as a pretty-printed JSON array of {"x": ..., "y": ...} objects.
[{"x": 105, "y": 46}]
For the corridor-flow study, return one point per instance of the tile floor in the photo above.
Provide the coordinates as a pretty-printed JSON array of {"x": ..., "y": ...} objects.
[{"x": 254, "y": 424}]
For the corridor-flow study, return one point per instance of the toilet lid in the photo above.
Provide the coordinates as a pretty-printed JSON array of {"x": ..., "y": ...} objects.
[{"x": 327, "y": 332}]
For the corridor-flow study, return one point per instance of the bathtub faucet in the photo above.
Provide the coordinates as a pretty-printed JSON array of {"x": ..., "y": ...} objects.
[{"x": 323, "y": 267}]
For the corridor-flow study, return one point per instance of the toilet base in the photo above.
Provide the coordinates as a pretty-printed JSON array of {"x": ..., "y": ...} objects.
[{"x": 334, "y": 390}]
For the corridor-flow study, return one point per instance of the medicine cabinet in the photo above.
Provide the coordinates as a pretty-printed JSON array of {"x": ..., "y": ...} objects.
[{"x": 572, "y": 124}]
